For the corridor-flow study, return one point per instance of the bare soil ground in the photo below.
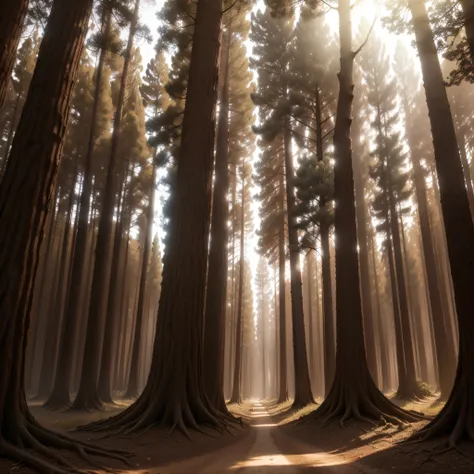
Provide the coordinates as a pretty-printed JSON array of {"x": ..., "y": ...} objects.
[{"x": 278, "y": 443}]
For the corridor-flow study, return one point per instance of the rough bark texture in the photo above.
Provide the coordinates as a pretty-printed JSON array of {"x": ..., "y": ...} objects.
[
  {"x": 456, "y": 419},
  {"x": 303, "y": 395},
  {"x": 27, "y": 190},
  {"x": 87, "y": 397},
  {"x": 174, "y": 395},
  {"x": 354, "y": 393},
  {"x": 12, "y": 17},
  {"x": 216, "y": 295},
  {"x": 60, "y": 394}
]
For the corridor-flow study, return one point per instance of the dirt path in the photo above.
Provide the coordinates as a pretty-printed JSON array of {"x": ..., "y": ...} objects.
[{"x": 265, "y": 451}]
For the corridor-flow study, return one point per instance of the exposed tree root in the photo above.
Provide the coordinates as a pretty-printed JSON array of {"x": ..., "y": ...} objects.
[
  {"x": 363, "y": 402},
  {"x": 89, "y": 404},
  {"x": 455, "y": 421},
  {"x": 35, "y": 446},
  {"x": 150, "y": 410},
  {"x": 420, "y": 392}
]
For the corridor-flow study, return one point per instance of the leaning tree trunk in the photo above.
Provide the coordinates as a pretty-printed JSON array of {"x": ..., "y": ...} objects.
[
  {"x": 60, "y": 394},
  {"x": 282, "y": 362},
  {"x": 303, "y": 395},
  {"x": 174, "y": 395},
  {"x": 27, "y": 190},
  {"x": 216, "y": 294},
  {"x": 456, "y": 419},
  {"x": 237, "y": 381},
  {"x": 12, "y": 17},
  {"x": 354, "y": 393},
  {"x": 87, "y": 396}
]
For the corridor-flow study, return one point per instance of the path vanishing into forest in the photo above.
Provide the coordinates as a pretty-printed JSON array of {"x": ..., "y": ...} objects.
[{"x": 267, "y": 450}]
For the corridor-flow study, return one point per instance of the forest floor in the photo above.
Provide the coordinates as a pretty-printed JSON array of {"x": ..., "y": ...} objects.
[{"x": 277, "y": 444}]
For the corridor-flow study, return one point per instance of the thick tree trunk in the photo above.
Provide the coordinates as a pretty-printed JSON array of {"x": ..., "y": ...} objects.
[
  {"x": 303, "y": 395},
  {"x": 133, "y": 388},
  {"x": 216, "y": 295},
  {"x": 27, "y": 190},
  {"x": 174, "y": 394},
  {"x": 87, "y": 397},
  {"x": 456, "y": 419},
  {"x": 237, "y": 382},
  {"x": 12, "y": 17},
  {"x": 60, "y": 395},
  {"x": 354, "y": 393},
  {"x": 282, "y": 363}
]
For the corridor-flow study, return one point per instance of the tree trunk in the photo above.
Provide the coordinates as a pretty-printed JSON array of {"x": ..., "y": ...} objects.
[
  {"x": 237, "y": 383},
  {"x": 354, "y": 393},
  {"x": 456, "y": 419},
  {"x": 87, "y": 397},
  {"x": 445, "y": 351},
  {"x": 27, "y": 190},
  {"x": 60, "y": 395},
  {"x": 132, "y": 388},
  {"x": 12, "y": 17},
  {"x": 11, "y": 133},
  {"x": 466, "y": 172},
  {"x": 468, "y": 11},
  {"x": 216, "y": 295},
  {"x": 303, "y": 395},
  {"x": 174, "y": 394},
  {"x": 283, "y": 366}
]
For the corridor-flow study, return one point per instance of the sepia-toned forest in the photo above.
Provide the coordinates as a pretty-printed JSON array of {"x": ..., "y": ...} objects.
[{"x": 237, "y": 235}]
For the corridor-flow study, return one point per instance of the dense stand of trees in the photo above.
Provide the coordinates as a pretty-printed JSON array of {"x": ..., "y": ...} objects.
[{"x": 316, "y": 215}]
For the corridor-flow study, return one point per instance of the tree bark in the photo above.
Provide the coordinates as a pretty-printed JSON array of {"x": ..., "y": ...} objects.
[
  {"x": 60, "y": 394},
  {"x": 132, "y": 388},
  {"x": 216, "y": 295},
  {"x": 27, "y": 190},
  {"x": 174, "y": 395},
  {"x": 468, "y": 11},
  {"x": 456, "y": 419},
  {"x": 12, "y": 17},
  {"x": 354, "y": 393},
  {"x": 87, "y": 397},
  {"x": 303, "y": 394}
]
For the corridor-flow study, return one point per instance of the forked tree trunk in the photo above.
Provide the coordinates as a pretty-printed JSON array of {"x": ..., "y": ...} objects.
[
  {"x": 87, "y": 397},
  {"x": 354, "y": 393},
  {"x": 216, "y": 295},
  {"x": 174, "y": 395},
  {"x": 12, "y": 17},
  {"x": 60, "y": 395},
  {"x": 456, "y": 419},
  {"x": 27, "y": 190},
  {"x": 303, "y": 395},
  {"x": 237, "y": 381}
]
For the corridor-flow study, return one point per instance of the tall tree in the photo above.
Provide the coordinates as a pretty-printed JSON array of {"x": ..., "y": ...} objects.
[
  {"x": 174, "y": 394},
  {"x": 12, "y": 17},
  {"x": 27, "y": 190}
]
